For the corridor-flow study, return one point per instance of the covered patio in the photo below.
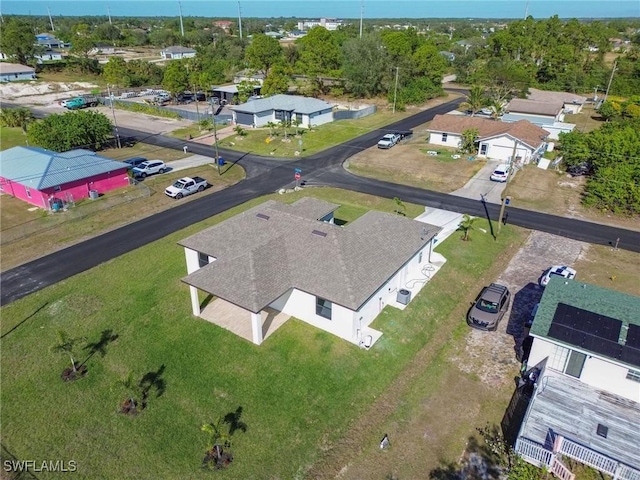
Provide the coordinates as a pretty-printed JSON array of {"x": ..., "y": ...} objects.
[{"x": 253, "y": 327}]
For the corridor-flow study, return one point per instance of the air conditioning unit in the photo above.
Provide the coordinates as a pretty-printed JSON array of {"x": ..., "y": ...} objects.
[{"x": 404, "y": 296}]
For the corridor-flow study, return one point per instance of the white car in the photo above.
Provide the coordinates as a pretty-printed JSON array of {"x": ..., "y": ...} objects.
[
  {"x": 559, "y": 271},
  {"x": 388, "y": 141},
  {"x": 149, "y": 168},
  {"x": 501, "y": 173}
]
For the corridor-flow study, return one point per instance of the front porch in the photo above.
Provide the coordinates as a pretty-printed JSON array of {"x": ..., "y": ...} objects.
[{"x": 252, "y": 327}]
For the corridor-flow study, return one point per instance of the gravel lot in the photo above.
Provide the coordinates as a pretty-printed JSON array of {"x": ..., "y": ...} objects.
[{"x": 492, "y": 355}]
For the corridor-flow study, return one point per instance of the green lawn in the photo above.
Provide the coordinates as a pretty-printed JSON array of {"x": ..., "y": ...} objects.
[
  {"x": 12, "y": 137},
  {"x": 298, "y": 391},
  {"x": 313, "y": 140}
]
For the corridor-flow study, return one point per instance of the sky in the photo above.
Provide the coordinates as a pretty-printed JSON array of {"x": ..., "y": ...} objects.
[{"x": 305, "y": 9}]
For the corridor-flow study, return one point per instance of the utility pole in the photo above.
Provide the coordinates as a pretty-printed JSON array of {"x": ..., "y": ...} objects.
[
  {"x": 502, "y": 219},
  {"x": 240, "y": 20},
  {"x": 113, "y": 112},
  {"x": 215, "y": 139},
  {"x": 610, "y": 80},
  {"x": 109, "y": 15},
  {"x": 513, "y": 158},
  {"x": 395, "y": 91},
  {"x": 53, "y": 29},
  {"x": 361, "y": 15},
  {"x": 181, "y": 24}
]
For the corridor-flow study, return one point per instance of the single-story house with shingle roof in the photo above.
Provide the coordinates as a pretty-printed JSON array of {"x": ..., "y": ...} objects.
[
  {"x": 177, "y": 53},
  {"x": 14, "y": 72},
  {"x": 293, "y": 259},
  {"x": 308, "y": 111},
  {"x": 495, "y": 139},
  {"x": 545, "y": 114},
  {"x": 571, "y": 102},
  {"x": 42, "y": 177}
]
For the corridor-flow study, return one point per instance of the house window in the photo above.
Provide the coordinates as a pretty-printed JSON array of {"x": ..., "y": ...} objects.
[
  {"x": 203, "y": 259},
  {"x": 444, "y": 138},
  {"x": 558, "y": 358},
  {"x": 27, "y": 191},
  {"x": 57, "y": 188},
  {"x": 323, "y": 308},
  {"x": 567, "y": 361},
  {"x": 420, "y": 257},
  {"x": 279, "y": 115},
  {"x": 483, "y": 148},
  {"x": 299, "y": 117},
  {"x": 575, "y": 364},
  {"x": 633, "y": 375}
]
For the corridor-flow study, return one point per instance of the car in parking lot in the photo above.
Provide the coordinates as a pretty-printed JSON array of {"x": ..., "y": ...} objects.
[
  {"x": 489, "y": 307},
  {"x": 501, "y": 173},
  {"x": 557, "y": 271},
  {"x": 134, "y": 161},
  {"x": 149, "y": 167},
  {"x": 388, "y": 140}
]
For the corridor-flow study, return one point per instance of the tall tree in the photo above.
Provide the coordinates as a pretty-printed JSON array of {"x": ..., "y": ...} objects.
[
  {"x": 365, "y": 67},
  {"x": 18, "y": 41},
  {"x": 263, "y": 53},
  {"x": 475, "y": 100},
  {"x": 62, "y": 132},
  {"x": 430, "y": 63},
  {"x": 176, "y": 77},
  {"x": 319, "y": 56},
  {"x": 276, "y": 82}
]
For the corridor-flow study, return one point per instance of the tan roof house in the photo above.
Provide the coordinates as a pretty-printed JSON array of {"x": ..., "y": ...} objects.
[
  {"x": 571, "y": 102},
  {"x": 277, "y": 260},
  {"x": 496, "y": 140}
]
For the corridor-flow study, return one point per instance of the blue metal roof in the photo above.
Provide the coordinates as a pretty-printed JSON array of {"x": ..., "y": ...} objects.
[
  {"x": 40, "y": 169},
  {"x": 293, "y": 103}
]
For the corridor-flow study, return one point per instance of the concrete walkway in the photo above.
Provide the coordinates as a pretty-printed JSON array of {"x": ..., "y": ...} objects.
[{"x": 480, "y": 185}]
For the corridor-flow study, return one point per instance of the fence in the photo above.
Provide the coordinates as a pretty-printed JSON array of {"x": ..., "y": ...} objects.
[
  {"x": 51, "y": 220},
  {"x": 354, "y": 114}
]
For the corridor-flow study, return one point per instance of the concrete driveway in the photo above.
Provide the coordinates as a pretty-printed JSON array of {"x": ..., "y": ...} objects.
[{"x": 481, "y": 185}]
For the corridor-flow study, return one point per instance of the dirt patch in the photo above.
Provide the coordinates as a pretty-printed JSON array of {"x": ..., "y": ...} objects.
[{"x": 43, "y": 93}]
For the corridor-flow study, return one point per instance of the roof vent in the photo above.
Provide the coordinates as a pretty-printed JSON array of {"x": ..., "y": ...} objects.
[
  {"x": 262, "y": 216},
  {"x": 319, "y": 233},
  {"x": 602, "y": 430}
]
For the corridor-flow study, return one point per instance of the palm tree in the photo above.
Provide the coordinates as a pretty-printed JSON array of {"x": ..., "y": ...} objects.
[
  {"x": 66, "y": 345},
  {"x": 475, "y": 100},
  {"x": 272, "y": 128},
  {"x": 466, "y": 225},
  {"x": 497, "y": 106},
  {"x": 218, "y": 438},
  {"x": 133, "y": 390}
]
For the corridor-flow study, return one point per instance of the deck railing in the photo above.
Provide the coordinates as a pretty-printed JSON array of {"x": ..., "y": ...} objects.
[{"x": 533, "y": 452}]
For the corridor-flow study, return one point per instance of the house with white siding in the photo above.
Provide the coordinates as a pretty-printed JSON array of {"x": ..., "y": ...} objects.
[
  {"x": 496, "y": 140},
  {"x": 15, "y": 72},
  {"x": 585, "y": 399},
  {"x": 309, "y": 112},
  {"x": 276, "y": 261},
  {"x": 177, "y": 53}
]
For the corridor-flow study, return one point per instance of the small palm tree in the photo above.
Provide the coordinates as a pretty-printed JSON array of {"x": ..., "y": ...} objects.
[
  {"x": 401, "y": 208},
  {"x": 66, "y": 345},
  {"x": 272, "y": 128},
  {"x": 497, "y": 107},
  {"x": 133, "y": 390},
  {"x": 475, "y": 100},
  {"x": 466, "y": 225},
  {"x": 218, "y": 437}
]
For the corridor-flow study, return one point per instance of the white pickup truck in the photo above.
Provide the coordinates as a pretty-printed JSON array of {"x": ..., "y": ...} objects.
[
  {"x": 389, "y": 140},
  {"x": 186, "y": 186}
]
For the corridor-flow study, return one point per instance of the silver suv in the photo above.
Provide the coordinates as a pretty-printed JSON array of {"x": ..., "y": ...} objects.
[
  {"x": 149, "y": 168},
  {"x": 489, "y": 307}
]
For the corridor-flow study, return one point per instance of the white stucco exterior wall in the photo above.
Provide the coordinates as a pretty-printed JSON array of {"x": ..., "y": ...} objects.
[
  {"x": 453, "y": 140},
  {"x": 596, "y": 372},
  {"x": 501, "y": 148},
  {"x": 318, "y": 118},
  {"x": 193, "y": 262}
]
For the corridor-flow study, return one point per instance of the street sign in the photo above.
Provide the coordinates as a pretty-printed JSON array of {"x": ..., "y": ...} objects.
[
  {"x": 507, "y": 200},
  {"x": 297, "y": 170},
  {"x": 297, "y": 176}
]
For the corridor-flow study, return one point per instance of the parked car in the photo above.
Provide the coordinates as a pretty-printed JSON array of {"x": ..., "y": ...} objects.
[
  {"x": 201, "y": 96},
  {"x": 501, "y": 173},
  {"x": 388, "y": 140},
  {"x": 186, "y": 186},
  {"x": 489, "y": 307},
  {"x": 559, "y": 271},
  {"x": 134, "y": 161},
  {"x": 580, "y": 169},
  {"x": 149, "y": 167}
]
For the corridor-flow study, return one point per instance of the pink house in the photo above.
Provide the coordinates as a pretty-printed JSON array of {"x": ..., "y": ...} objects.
[{"x": 49, "y": 179}]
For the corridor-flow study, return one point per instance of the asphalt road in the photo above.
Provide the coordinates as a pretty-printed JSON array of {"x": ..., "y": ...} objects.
[{"x": 264, "y": 176}]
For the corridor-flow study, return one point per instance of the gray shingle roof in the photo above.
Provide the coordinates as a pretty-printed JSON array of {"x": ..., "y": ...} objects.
[
  {"x": 258, "y": 259},
  {"x": 293, "y": 103},
  {"x": 179, "y": 49},
  {"x": 6, "y": 68},
  {"x": 40, "y": 169}
]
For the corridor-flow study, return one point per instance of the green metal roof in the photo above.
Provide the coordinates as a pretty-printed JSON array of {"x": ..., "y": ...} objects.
[
  {"x": 602, "y": 301},
  {"x": 39, "y": 169}
]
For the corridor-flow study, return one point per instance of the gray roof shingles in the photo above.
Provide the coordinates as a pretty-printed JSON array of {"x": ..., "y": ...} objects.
[
  {"x": 292, "y": 103},
  {"x": 258, "y": 260},
  {"x": 40, "y": 169}
]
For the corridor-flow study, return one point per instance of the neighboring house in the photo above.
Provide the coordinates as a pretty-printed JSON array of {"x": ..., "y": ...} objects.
[
  {"x": 43, "y": 178},
  {"x": 48, "y": 56},
  {"x": 249, "y": 76},
  {"x": 49, "y": 41},
  {"x": 292, "y": 259},
  {"x": 223, "y": 24},
  {"x": 103, "y": 49},
  {"x": 177, "y": 53},
  {"x": 14, "y": 72},
  {"x": 548, "y": 115},
  {"x": 571, "y": 102},
  {"x": 307, "y": 111},
  {"x": 328, "y": 23},
  {"x": 297, "y": 34},
  {"x": 448, "y": 55},
  {"x": 496, "y": 140},
  {"x": 228, "y": 94},
  {"x": 585, "y": 398}
]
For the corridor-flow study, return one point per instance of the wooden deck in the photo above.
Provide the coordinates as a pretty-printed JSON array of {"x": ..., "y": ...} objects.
[
  {"x": 565, "y": 406},
  {"x": 238, "y": 320}
]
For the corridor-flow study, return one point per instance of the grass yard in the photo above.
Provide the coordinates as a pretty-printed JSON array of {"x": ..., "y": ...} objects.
[
  {"x": 414, "y": 163},
  {"x": 300, "y": 392},
  {"x": 150, "y": 152},
  {"x": 12, "y": 137},
  {"x": 26, "y": 234},
  {"x": 585, "y": 121},
  {"x": 560, "y": 194}
]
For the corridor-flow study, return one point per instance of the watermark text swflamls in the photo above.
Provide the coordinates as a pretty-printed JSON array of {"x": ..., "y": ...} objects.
[{"x": 39, "y": 466}]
